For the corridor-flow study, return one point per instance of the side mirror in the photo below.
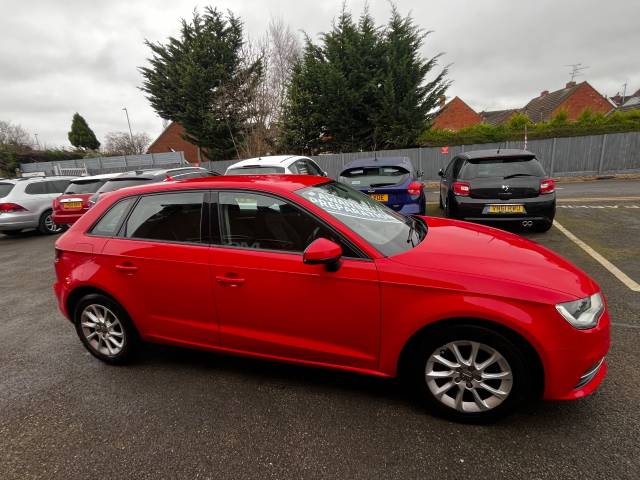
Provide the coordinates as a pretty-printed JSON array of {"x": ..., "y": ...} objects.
[
  {"x": 441, "y": 173},
  {"x": 325, "y": 174},
  {"x": 420, "y": 173},
  {"x": 323, "y": 251}
]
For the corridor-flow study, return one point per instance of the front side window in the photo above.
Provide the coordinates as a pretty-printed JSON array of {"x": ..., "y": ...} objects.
[
  {"x": 314, "y": 169},
  {"x": 387, "y": 231},
  {"x": 262, "y": 222},
  {"x": 109, "y": 224},
  {"x": 57, "y": 186},
  {"x": 364, "y": 177},
  {"x": 173, "y": 217}
]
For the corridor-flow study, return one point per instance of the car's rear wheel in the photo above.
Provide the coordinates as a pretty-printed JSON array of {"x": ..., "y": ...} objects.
[
  {"x": 105, "y": 329},
  {"x": 46, "y": 224},
  {"x": 449, "y": 209},
  {"x": 440, "y": 204},
  {"x": 12, "y": 233},
  {"x": 469, "y": 374}
]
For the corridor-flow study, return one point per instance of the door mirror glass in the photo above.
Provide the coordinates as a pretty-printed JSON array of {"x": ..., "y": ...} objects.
[{"x": 323, "y": 251}]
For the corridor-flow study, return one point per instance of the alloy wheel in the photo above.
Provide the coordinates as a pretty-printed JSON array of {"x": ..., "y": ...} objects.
[
  {"x": 469, "y": 376},
  {"x": 50, "y": 225},
  {"x": 102, "y": 330}
]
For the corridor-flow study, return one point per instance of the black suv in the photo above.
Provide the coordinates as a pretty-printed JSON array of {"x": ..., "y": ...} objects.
[{"x": 500, "y": 186}]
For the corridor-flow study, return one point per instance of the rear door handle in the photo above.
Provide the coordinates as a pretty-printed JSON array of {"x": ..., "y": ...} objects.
[
  {"x": 230, "y": 281},
  {"x": 127, "y": 268}
]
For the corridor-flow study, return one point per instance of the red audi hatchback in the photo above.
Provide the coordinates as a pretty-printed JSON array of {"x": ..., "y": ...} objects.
[{"x": 303, "y": 269}]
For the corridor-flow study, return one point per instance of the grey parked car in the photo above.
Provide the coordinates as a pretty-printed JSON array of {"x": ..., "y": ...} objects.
[{"x": 27, "y": 203}]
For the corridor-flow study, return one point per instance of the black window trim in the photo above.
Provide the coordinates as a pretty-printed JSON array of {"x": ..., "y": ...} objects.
[{"x": 221, "y": 228}]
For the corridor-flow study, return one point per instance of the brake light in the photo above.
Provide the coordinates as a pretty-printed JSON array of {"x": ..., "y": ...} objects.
[
  {"x": 11, "y": 207},
  {"x": 461, "y": 189},
  {"x": 415, "y": 189},
  {"x": 547, "y": 186}
]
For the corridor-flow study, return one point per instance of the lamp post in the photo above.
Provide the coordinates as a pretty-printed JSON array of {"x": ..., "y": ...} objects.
[{"x": 129, "y": 123}]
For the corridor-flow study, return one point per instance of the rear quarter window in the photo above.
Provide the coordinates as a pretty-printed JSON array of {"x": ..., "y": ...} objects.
[
  {"x": 5, "y": 189},
  {"x": 110, "y": 222}
]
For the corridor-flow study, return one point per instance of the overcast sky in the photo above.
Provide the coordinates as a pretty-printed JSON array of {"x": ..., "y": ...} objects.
[{"x": 62, "y": 56}]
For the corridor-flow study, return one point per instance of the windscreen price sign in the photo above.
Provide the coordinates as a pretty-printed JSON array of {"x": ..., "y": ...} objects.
[{"x": 348, "y": 207}]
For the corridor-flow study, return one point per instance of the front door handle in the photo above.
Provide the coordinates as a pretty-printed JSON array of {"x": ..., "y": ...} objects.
[
  {"x": 230, "y": 281},
  {"x": 126, "y": 268}
]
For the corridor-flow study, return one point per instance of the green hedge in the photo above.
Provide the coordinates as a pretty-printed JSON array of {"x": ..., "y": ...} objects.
[{"x": 587, "y": 124}]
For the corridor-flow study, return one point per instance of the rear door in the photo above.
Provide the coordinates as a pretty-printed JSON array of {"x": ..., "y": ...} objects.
[{"x": 161, "y": 261}]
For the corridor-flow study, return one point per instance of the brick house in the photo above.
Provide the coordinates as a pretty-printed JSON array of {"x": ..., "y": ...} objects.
[
  {"x": 498, "y": 117},
  {"x": 574, "y": 98},
  {"x": 170, "y": 140},
  {"x": 455, "y": 115}
]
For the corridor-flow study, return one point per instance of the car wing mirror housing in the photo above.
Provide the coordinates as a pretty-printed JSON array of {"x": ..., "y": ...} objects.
[
  {"x": 440, "y": 173},
  {"x": 323, "y": 251}
]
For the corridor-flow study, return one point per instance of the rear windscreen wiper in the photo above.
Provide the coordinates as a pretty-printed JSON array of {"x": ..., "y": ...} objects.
[{"x": 519, "y": 175}]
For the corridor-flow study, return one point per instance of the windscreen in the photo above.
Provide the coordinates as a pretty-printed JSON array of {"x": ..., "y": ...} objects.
[
  {"x": 5, "y": 189},
  {"x": 255, "y": 170},
  {"x": 117, "y": 184},
  {"x": 387, "y": 231},
  {"x": 374, "y": 176},
  {"x": 84, "y": 186},
  {"x": 501, "y": 168}
]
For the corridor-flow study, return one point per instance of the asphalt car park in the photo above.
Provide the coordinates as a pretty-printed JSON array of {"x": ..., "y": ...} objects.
[{"x": 183, "y": 414}]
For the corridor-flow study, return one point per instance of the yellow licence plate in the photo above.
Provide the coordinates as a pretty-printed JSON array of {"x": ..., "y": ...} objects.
[
  {"x": 506, "y": 208},
  {"x": 71, "y": 205},
  {"x": 380, "y": 197}
]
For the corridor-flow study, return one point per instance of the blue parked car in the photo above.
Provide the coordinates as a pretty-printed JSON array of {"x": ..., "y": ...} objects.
[{"x": 392, "y": 181}]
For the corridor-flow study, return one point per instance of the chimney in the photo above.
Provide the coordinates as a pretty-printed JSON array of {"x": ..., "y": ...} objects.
[
  {"x": 442, "y": 100},
  {"x": 544, "y": 92},
  {"x": 570, "y": 84}
]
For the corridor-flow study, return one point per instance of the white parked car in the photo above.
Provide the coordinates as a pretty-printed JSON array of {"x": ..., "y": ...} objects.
[{"x": 276, "y": 164}]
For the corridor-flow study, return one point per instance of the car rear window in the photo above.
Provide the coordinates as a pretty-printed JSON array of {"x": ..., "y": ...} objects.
[
  {"x": 501, "y": 168},
  {"x": 84, "y": 186},
  {"x": 117, "y": 184},
  {"x": 5, "y": 189},
  {"x": 255, "y": 170},
  {"x": 374, "y": 176}
]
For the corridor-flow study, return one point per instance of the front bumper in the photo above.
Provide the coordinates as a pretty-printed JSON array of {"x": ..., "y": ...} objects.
[
  {"x": 577, "y": 371},
  {"x": 476, "y": 209}
]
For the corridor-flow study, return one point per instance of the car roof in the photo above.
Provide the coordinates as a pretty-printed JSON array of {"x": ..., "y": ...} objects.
[
  {"x": 269, "y": 183},
  {"x": 404, "y": 162},
  {"x": 40, "y": 179},
  {"x": 89, "y": 178},
  {"x": 268, "y": 161},
  {"x": 497, "y": 153},
  {"x": 152, "y": 173}
]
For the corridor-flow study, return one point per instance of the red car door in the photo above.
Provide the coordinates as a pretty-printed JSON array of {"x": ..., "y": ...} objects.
[
  {"x": 161, "y": 262},
  {"x": 270, "y": 303}
]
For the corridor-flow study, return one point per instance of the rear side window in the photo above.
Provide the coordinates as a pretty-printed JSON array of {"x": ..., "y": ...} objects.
[
  {"x": 173, "y": 217},
  {"x": 501, "y": 168},
  {"x": 5, "y": 189},
  {"x": 57, "y": 186},
  {"x": 109, "y": 224},
  {"x": 37, "y": 188},
  {"x": 84, "y": 186},
  {"x": 374, "y": 176}
]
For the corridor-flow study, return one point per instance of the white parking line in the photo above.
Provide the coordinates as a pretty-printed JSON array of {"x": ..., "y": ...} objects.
[{"x": 619, "y": 274}]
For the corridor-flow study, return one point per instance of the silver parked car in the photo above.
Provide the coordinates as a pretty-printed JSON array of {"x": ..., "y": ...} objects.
[{"x": 27, "y": 203}]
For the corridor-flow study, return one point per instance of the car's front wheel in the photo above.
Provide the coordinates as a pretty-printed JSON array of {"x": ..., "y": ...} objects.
[
  {"x": 105, "y": 329},
  {"x": 469, "y": 373}
]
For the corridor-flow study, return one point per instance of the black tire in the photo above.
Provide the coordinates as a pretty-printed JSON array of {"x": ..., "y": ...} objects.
[
  {"x": 12, "y": 233},
  {"x": 542, "y": 226},
  {"x": 520, "y": 388},
  {"x": 449, "y": 210},
  {"x": 46, "y": 225},
  {"x": 130, "y": 337}
]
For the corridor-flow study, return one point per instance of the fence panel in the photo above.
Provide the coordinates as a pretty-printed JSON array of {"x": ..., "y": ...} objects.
[{"x": 621, "y": 153}]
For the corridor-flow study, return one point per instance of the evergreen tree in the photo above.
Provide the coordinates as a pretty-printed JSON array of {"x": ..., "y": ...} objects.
[
  {"x": 201, "y": 81},
  {"x": 80, "y": 135},
  {"x": 361, "y": 87}
]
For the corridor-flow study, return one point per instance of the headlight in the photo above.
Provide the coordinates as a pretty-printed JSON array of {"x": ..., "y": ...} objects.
[{"x": 583, "y": 313}]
